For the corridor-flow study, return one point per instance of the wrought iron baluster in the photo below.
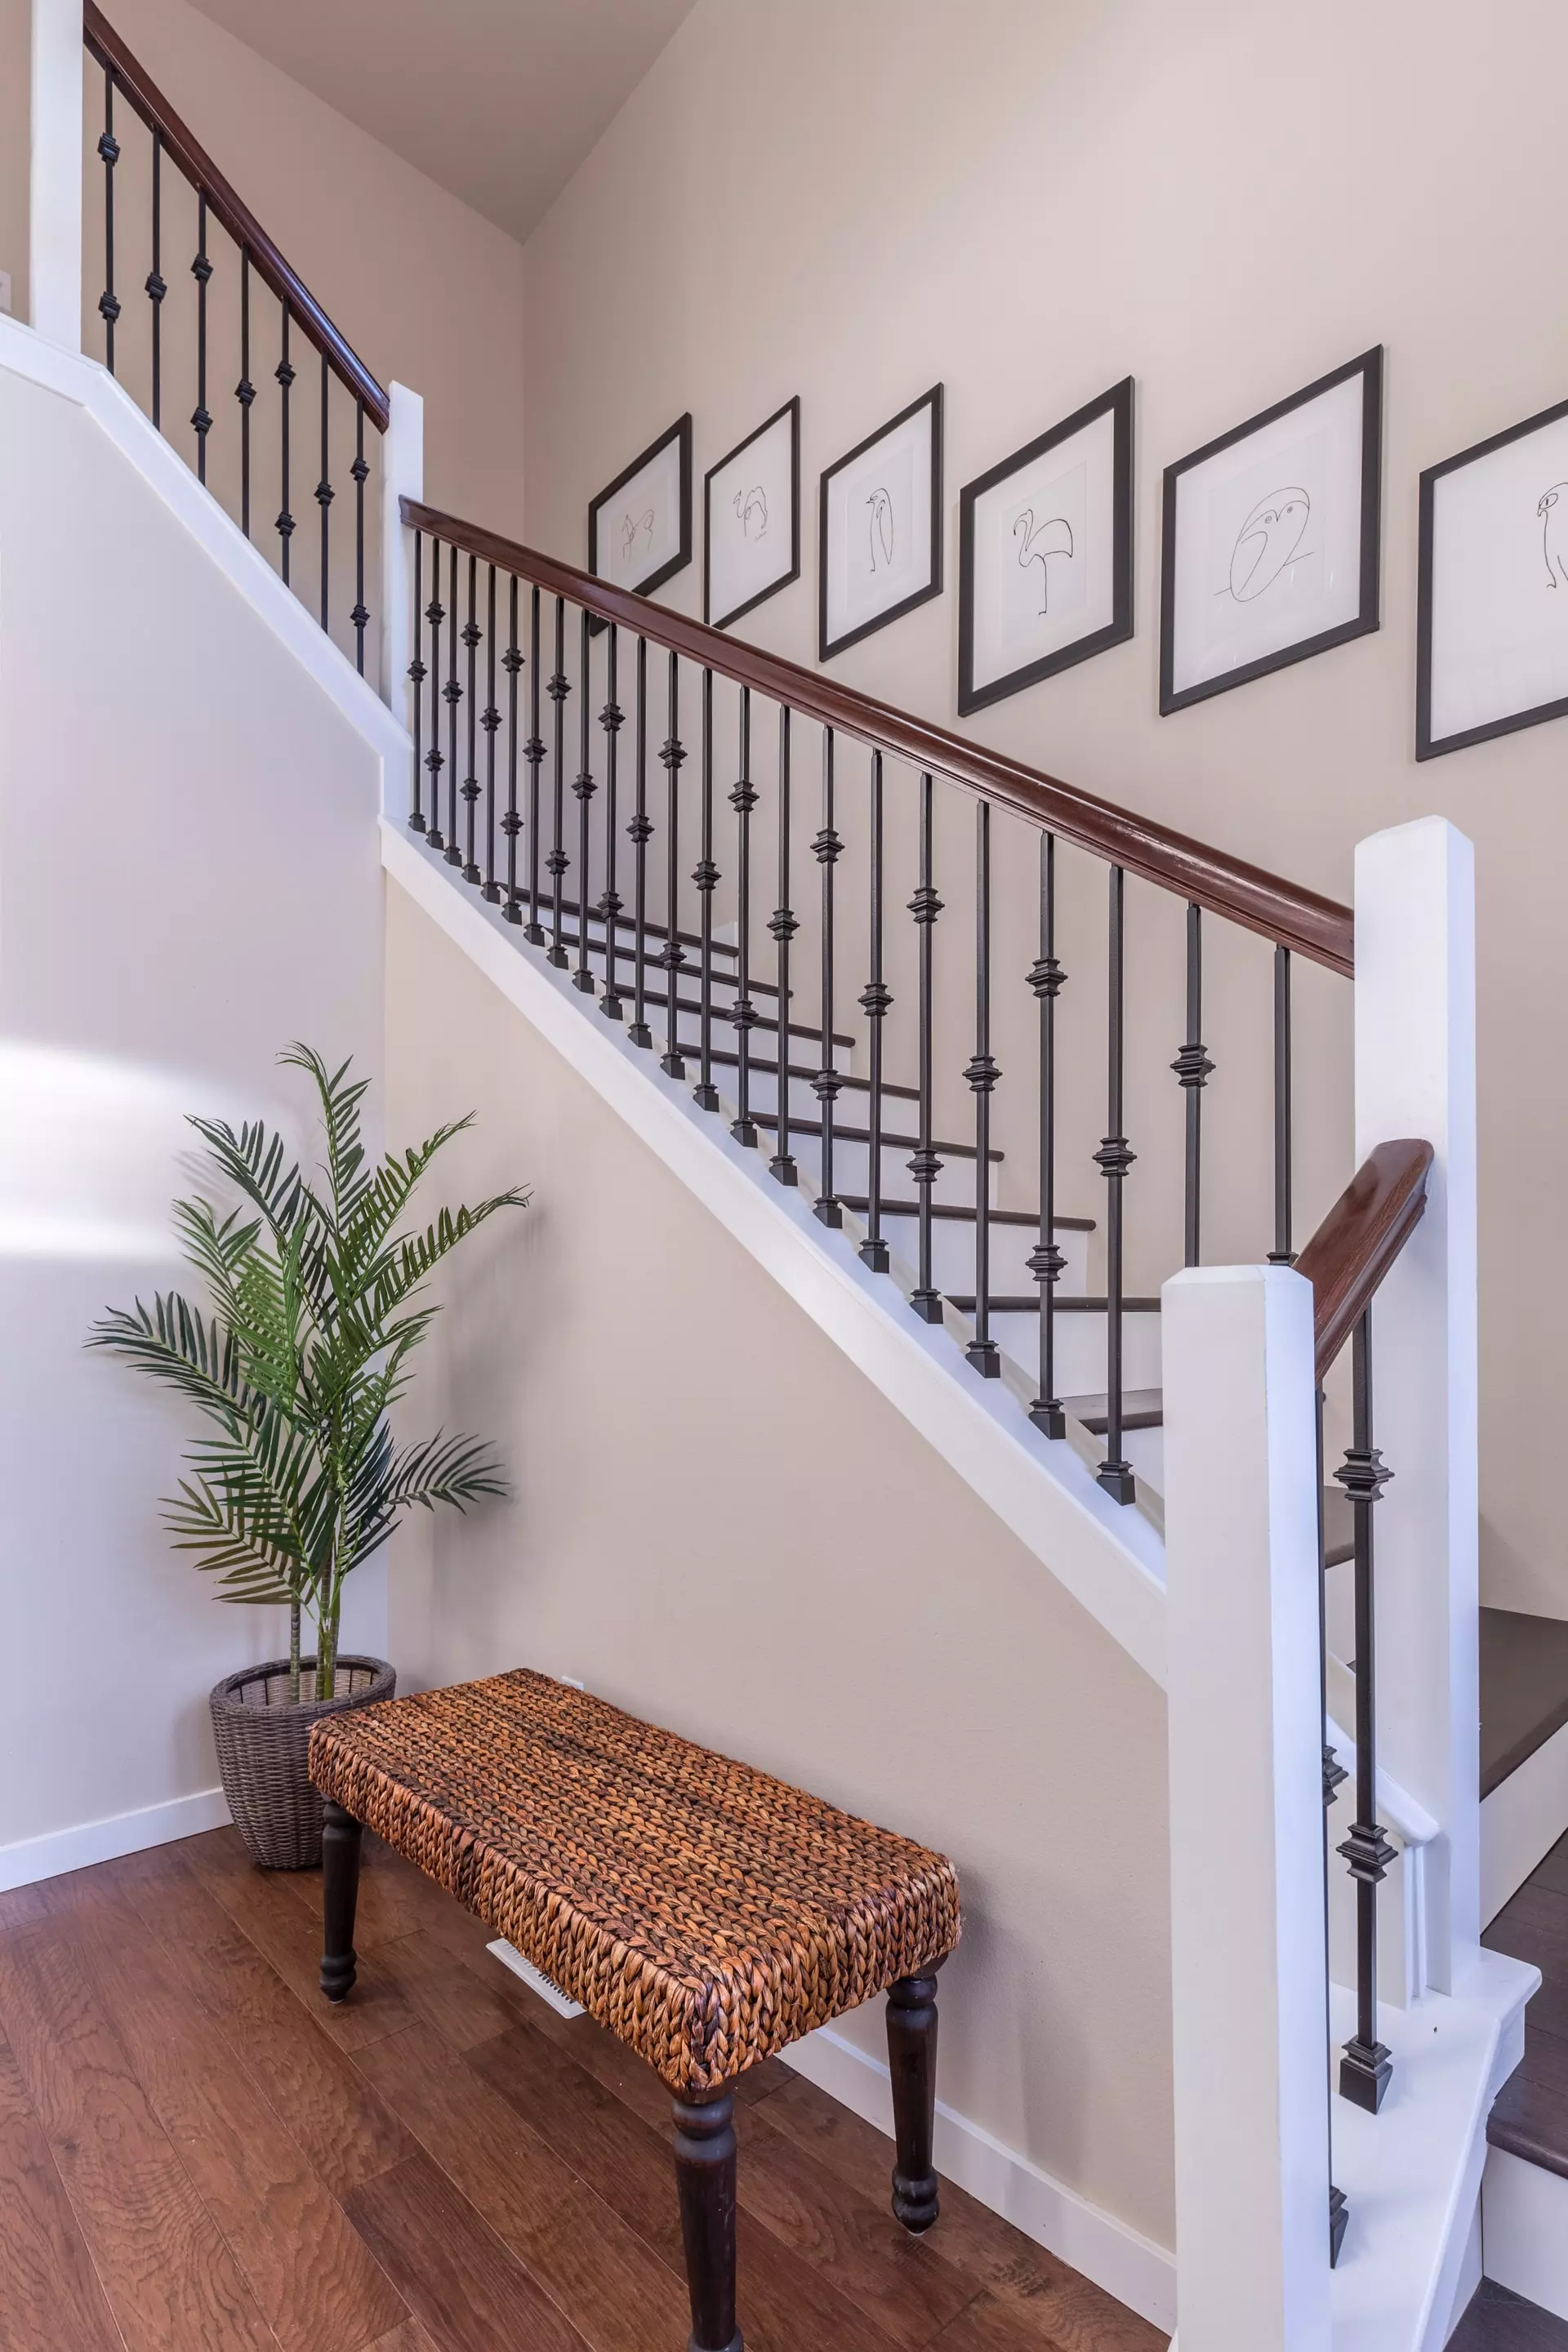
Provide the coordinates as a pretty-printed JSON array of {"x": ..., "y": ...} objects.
[
  {"x": 742, "y": 1012},
  {"x": 1282, "y": 1253},
  {"x": 359, "y": 470},
  {"x": 611, "y": 718},
  {"x": 416, "y": 680},
  {"x": 558, "y": 860},
  {"x": 784, "y": 926},
  {"x": 1193, "y": 1068},
  {"x": 434, "y": 612},
  {"x": 1335, "y": 1775},
  {"x": 154, "y": 284},
  {"x": 705, "y": 875},
  {"x": 324, "y": 501},
  {"x": 533, "y": 752},
  {"x": 1114, "y": 1160},
  {"x": 108, "y": 150},
  {"x": 244, "y": 392},
  {"x": 983, "y": 1073},
  {"x": 876, "y": 998},
  {"x": 639, "y": 830},
  {"x": 454, "y": 695},
  {"x": 584, "y": 788},
  {"x": 1046, "y": 1261},
  {"x": 489, "y": 720},
  {"x": 827, "y": 1083},
  {"x": 511, "y": 823},
  {"x": 472, "y": 634},
  {"x": 285, "y": 375},
  {"x": 1365, "y": 2064},
  {"x": 925, "y": 1167},
  {"x": 672, "y": 956},
  {"x": 201, "y": 271}
]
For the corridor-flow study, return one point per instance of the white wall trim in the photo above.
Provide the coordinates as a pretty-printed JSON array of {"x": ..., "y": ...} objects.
[
  {"x": 1111, "y": 1560},
  {"x": 1524, "y": 2229},
  {"x": 1521, "y": 1820},
  {"x": 54, "y": 173},
  {"x": 1112, "y": 2254},
  {"x": 28, "y": 1860}
]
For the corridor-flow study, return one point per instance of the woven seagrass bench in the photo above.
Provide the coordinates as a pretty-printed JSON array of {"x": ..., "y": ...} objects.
[{"x": 707, "y": 1915}]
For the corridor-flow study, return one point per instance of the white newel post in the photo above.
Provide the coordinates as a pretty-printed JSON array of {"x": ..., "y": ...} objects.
[
  {"x": 401, "y": 477},
  {"x": 1247, "y": 1966},
  {"x": 55, "y": 170},
  {"x": 1416, "y": 1076}
]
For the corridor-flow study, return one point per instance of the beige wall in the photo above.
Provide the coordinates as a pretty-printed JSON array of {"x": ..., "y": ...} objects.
[
  {"x": 720, "y": 1524},
  {"x": 1226, "y": 200}
]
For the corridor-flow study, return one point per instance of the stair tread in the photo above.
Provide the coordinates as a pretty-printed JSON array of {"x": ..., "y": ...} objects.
[
  {"x": 808, "y": 1070},
  {"x": 863, "y": 1135},
  {"x": 1497, "y": 2320},
  {"x": 959, "y": 1210},
  {"x": 694, "y": 1004},
  {"x": 1141, "y": 1408},
  {"x": 1027, "y": 1303},
  {"x": 1524, "y": 1688}
]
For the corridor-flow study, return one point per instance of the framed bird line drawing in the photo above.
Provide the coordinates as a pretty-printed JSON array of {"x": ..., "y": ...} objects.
[
  {"x": 639, "y": 527},
  {"x": 1045, "y": 553},
  {"x": 751, "y": 520},
  {"x": 1491, "y": 640},
  {"x": 880, "y": 530},
  {"x": 1270, "y": 538}
]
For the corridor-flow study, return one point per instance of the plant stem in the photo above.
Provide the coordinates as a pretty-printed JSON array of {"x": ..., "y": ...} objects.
[
  {"x": 327, "y": 1646},
  {"x": 294, "y": 1648}
]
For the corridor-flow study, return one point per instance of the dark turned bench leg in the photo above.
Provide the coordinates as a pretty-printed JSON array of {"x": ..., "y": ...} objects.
[
  {"x": 341, "y": 1840},
  {"x": 705, "y": 2176},
  {"x": 911, "y": 2054}
]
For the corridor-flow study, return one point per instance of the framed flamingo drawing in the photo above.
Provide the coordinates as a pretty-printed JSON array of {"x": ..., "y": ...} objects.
[
  {"x": 639, "y": 527},
  {"x": 880, "y": 549},
  {"x": 1269, "y": 546},
  {"x": 1044, "y": 561},
  {"x": 750, "y": 538}
]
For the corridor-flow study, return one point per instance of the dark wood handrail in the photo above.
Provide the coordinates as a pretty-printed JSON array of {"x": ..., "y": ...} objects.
[
  {"x": 1296, "y": 918},
  {"x": 186, "y": 151},
  {"x": 1360, "y": 1239}
]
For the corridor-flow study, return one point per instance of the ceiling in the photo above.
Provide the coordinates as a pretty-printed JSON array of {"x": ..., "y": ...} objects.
[{"x": 498, "y": 100}]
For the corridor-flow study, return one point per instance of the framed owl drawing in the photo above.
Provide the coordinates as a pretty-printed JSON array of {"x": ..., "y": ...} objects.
[
  {"x": 1269, "y": 545},
  {"x": 1492, "y": 644},
  {"x": 880, "y": 546}
]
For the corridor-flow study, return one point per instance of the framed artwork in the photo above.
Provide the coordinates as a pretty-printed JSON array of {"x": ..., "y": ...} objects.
[
  {"x": 1491, "y": 646},
  {"x": 1270, "y": 548},
  {"x": 1044, "y": 565},
  {"x": 751, "y": 534},
  {"x": 639, "y": 528},
  {"x": 881, "y": 544}
]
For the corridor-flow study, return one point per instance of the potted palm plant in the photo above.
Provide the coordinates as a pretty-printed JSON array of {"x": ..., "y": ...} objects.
[{"x": 314, "y": 1312}]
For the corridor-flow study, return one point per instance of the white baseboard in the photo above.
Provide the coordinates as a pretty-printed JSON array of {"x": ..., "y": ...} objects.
[
  {"x": 1134, "y": 2269},
  {"x": 1524, "y": 2229},
  {"x": 1521, "y": 1820},
  {"x": 28, "y": 1860}
]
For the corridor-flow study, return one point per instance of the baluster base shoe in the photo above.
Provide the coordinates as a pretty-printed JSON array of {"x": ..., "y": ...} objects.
[
  {"x": 927, "y": 1305},
  {"x": 1118, "y": 1481},
  {"x": 985, "y": 1357},
  {"x": 828, "y": 1212},
  {"x": 745, "y": 1132},
  {"x": 705, "y": 1098},
  {"x": 1049, "y": 1417},
  {"x": 874, "y": 1253},
  {"x": 1363, "y": 2075}
]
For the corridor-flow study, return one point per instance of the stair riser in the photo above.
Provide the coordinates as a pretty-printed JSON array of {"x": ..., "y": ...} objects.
[
  {"x": 851, "y": 1167},
  {"x": 952, "y": 1256},
  {"x": 1080, "y": 1349}
]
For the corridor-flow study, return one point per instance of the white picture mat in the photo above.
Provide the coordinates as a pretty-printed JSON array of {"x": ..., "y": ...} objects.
[
  {"x": 879, "y": 526},
  {"x": 1238, "y": 510},
  {"x": 1020, "y": 562},
  {"x": 1500, "y": 629},
  {"x": 750, "y": 519},
  {"x": 638, "y": 530}
]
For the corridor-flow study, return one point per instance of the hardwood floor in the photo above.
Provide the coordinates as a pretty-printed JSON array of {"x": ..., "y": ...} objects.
[
  {"x": 196, "y": 2153},
  {"x": 1531, "y": 2115}
]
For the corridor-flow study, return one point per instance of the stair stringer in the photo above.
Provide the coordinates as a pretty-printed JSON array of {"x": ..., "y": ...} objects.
[{"x": 1109, "y": 1558}]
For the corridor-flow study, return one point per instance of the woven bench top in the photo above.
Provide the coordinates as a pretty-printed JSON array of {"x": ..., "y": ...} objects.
[{"x": 708, "y": 1915}]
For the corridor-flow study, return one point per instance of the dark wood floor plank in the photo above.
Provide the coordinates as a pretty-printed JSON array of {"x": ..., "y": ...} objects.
[
  {"x": 620, "y": 2296},
  {"x": 409, "y": 2337},
  {"x": 1551, "y": 1871},
  {"x": 308, "y": 2268},
  {"x": 462, "y": 2284},
  {"x": 347, "y": 2133},
  {"x": 170, "y": 2280},
  {"x": 1534, "y": 1926},
  {"x": 1497, "y": 2321},
  {"x": 49, "y": 2292},
  {"x": 394, "y": 1899},
  {"x": 436, "y": 1985}
]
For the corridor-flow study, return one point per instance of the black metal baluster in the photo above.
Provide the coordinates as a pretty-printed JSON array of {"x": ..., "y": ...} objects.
[
  {"x": 511, "y": 823},
  {"x": 876, "y": 998},
  {"x": 1335, "y": 1775},
  {"x": 155, "y": 286},
  {"x": 611, "y": 718},
  {"x": 359, "y": 470},
  {"x": 472, "y": 634},
  {"x": 925, "y": 1167},
  {"x": 201, "y": 271},
  {"x": 1114, "y": 1160},
  {"x": 109, "y": 149},
  {"x": 1046, "y": 1261},
  {"x": 285, "y": 375},
  {"x": 533, "y": 752},
  {"x": 1365, "y": 2065},
  {"x": 742, "y": 1012},
  {"x": 584, "y": 788},
  {"x": 640, "y": 829},
  {"x": 784, "y": 927},
  {"x": 983, "y": 1073},
  {"x": 489, "y": 721},
  {"x": 1193, "y": 1069},
  {"x": 453, "y": 694},
  {"x": 827, "y": 1084},
  {"x": 1282, "y": 1253},
  {"x": 416, "y": 680},
  {"x": 672, "y": 956},
  {"x": 705, "y": 875},
  {"x": 244, "y": 392},
  {"x": 324, "y": 500},
  {"x": 434, "y": 612},
  {"x": 558, "y": 860}
]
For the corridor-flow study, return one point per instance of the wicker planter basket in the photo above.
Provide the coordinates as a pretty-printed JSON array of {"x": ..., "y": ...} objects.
[{"x": 263, "y": 1738}]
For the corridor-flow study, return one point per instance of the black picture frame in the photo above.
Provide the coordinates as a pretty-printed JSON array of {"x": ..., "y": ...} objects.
[
  {"x": 1368, "y": 364},
  {"x": 1538, "y": 713},
  {"x": 826, "y": 650},
  {"x": 791, "y": 409},
  {"x": 1117, "y": 403},
  {"x": 680, "y": 429}
]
